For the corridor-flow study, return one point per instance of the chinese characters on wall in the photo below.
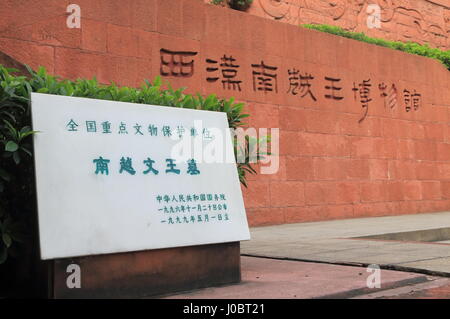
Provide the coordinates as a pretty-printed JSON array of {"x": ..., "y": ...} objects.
[{"x": 266, "y": 78}]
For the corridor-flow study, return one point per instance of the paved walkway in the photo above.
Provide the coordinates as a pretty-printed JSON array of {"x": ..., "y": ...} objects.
[
  {"x": 264, "y": 278},
  {"x": 334, "y": 242}
]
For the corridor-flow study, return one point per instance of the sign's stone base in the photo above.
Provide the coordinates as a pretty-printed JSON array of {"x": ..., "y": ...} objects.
[{"x": 148, "y": 273}]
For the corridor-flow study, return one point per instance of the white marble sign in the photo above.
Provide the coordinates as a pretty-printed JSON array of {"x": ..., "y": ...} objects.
[{"x": 118, "y": 177}]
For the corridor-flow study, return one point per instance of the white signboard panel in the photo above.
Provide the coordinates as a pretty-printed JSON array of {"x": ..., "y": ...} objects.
[{"x": 111, "y": 177}]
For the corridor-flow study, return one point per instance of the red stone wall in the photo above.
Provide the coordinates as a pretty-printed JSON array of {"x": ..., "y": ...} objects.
[
  {"x": 334, "y": 161},
  {"x": 421, "y": 21}
]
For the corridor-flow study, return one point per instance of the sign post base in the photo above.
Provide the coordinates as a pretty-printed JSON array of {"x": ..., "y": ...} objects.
[{"x": 147, "y": 273}]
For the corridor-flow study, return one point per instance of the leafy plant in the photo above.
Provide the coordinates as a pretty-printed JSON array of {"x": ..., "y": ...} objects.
[
  {"x": 409, "y": 47},
  {"x": 241, "y": 5},
  {"x": 16, "y": 170},
  {"x": 17, "y": 193}
]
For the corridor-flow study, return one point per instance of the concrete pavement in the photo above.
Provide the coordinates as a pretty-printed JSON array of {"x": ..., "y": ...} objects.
[
  {"x": 339, "y": 242},
  {"x": 264, "y": 278},
  {"x": 327, "y": 260}
]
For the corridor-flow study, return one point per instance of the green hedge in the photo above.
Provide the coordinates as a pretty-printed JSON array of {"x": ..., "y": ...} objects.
[
  {"x": 409, "y": 47},
  {"x": 17, "y": 190}
]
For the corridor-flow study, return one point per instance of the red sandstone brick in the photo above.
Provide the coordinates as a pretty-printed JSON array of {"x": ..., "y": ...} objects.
[
  {"x": 311, "y": 144},
  {"x": 299, "y": 168},
  {"x": 385, "y": 148},
  {"x": 169, "y": 17},
  {"x": 442, "y": 111},
  {"x": 403, "y": 170},
  {"x": 20, "y": 13},
  {"x": 338, "y": 212},
  {"x": 265, "y": 216},
  {"x": 315, "y": 213},
  {"x": 126, "y": 41},
  {"x": 443, "y": 152},
  {"x": 442, "y": 205},
  {"x": 239, "y": 33},
  {"x": 264, "y": 115},
  {"x": 280, "y": 175},
  {"x": 117, "y": 12},
  {"x": 412, "y": 190},
  {"x": 407, "y": 207},
  {"x": 427, "y": 171},
  {"x": 357, "y": 169},
  {"x": 292, "y": 118},
  {"x": 294, "y": 40},
  {"x": 321, "y": 122},
  {"x": 391, "y": 127},
  {"x": 431, "y": 190},
  {"x": 389, "y": 63},
  {"x": 363, "y": 147},
  {"x": 144, "y": 71},
  {"x": 348, "y": 125},
  {"x": 87, "y": 65},
  {"x": 49, "y": 31},
  {"x": 374, "y": 209},
  {"x": 378, "y": 169},
  {"x": 373, "y": 192},
  {"x": 447, "y": 134},
  {"x": 445, "y": 189},
  {"x": 443, "y": 171},
  {"x": 327, "y": 212},
  {"x": 284, "y": 194},
  {"x": 338, "y": 145},
  {"x": 290, "y": 143},
  {"x": 319, "y": 48},
  {"x": 395, "y": 191},
  {"x": 427, "y": 206},
  {"x": 347, "y": 193},
  {"x": 370, "y": 68},
  {"x": 434, "y": 131},
  {"x": 406, "y": 149},
  {"x": 318, "y": 193},
  {"x": 275, "y": 36},
  {"x": 258, "y": 42},
  {"x": 122, "y": 40},
  {"x": 329, "y": 169},
  {"x": 257, "y": 194},
  {"x": 216, "y": 25},
  {"x": 316, "y": 144},
  {"x": 343, "y": 53},
  {"x": 29, "y": 53},
  {"x": 417, "y": 131},
  {"x": 425, "y": 150},
  {"x": 129, "y": 71},
  {"x": 297, "y": 214},
  {"x": 94, "y": 35},
  {"x": 143, "y": 14},
  {"x": 193, "y": 19}
]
